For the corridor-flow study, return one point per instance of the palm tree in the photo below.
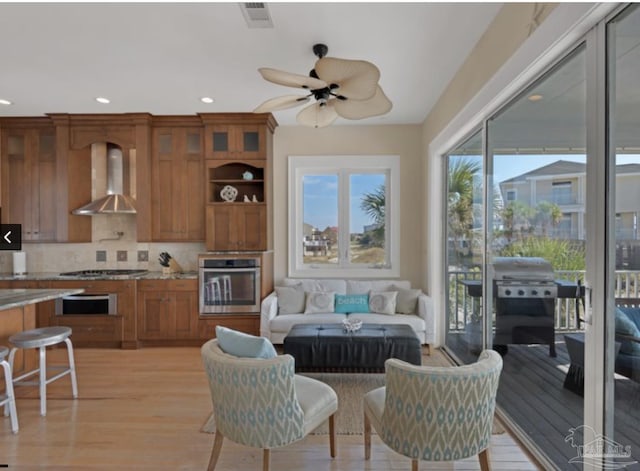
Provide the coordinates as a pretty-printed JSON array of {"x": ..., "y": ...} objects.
[
  {"x": 373, "y": 204},
  {"x": 517, "y": 216},
  {"x": 548, "y": 214},
  {"x": 460, "y": 193}
]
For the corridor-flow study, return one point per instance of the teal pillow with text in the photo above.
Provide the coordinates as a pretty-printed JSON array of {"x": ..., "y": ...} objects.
[{"x": 347, "y": 303}]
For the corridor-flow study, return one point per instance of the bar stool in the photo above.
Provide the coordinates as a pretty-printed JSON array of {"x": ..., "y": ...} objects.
[
  {"x": 42, "y": 338},
  {"x": 9, "y": 399},
  {"x": 226, "y": 287},
  {"x": 213, "y": 288}
]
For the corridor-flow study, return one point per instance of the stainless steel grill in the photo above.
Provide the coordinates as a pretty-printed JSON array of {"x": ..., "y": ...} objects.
[
  {"x": 524, "y": 277},
  {"x": 525, "y": 296}
]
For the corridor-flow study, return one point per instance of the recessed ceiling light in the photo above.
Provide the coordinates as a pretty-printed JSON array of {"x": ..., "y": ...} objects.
[
  {"x": 206, "y": 99},
  {"x": 103, "y": 100},
  {"x": 535, "y": 97},
  {"x": 5, "y": 102}
]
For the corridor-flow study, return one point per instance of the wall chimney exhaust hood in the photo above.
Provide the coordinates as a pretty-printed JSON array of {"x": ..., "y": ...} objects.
[{"x": 115, "y": 202}]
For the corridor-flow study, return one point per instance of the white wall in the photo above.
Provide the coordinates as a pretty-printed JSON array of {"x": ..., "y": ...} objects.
[{"x": 402, "y": 140}]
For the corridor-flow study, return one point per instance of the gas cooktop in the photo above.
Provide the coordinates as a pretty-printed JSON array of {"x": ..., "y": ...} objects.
[{"x": 100, "y": 273}]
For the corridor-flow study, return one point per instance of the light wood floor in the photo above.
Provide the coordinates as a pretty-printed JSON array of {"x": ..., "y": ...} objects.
[{"x": 143, "y": 409}]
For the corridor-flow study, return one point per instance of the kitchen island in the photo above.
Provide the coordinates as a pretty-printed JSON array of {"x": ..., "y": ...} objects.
[{"x": 18, "y": 313}]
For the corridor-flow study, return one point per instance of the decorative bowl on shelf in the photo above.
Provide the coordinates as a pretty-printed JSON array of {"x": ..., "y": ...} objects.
[
  {"x": 351, "y": 325},
  {"x": 229, "y": 193},
  {"x": 247, "y": 175}
]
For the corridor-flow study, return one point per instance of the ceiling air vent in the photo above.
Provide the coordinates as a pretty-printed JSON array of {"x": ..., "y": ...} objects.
[{"x": 256, "y": 15}]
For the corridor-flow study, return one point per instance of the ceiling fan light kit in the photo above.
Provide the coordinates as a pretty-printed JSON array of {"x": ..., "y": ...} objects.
[{"x": 342, "y": 88}]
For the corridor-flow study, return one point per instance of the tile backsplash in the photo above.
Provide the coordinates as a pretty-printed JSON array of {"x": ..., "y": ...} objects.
[{"x": 60, "y": 257}]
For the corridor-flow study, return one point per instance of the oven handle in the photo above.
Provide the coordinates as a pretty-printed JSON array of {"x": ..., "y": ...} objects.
[
  {"x": 95, "y": 297},
  {"x": 229, "y": 270}
]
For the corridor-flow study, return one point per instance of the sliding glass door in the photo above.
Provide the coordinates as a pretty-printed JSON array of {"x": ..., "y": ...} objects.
[
  {"x": 623, "y": 319},
  {"x": 552, "y": 180}
]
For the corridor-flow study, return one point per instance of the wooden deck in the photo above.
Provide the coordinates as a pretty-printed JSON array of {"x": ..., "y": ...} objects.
[{"x": 532, "y": 395}]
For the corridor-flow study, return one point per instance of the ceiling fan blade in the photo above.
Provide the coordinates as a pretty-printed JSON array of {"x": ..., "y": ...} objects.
[
  {"x": 291, "y": 80},
  {"x": 359, "y": 109},
  {"x": 281, "y": 103},
  {"x": 355, "y": 79},
  {"x": 318, "y": 116}
]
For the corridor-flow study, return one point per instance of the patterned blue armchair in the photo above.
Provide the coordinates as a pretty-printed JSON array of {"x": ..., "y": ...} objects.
[
  {"x": 435, "y": 413},
  {"x": 261, "y": 403}
]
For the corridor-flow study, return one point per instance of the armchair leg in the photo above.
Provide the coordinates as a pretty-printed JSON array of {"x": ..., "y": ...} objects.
[
  {"x": 266, "y": 459},
  {"x": 367, "y": 437},
  {"x": 215, "y": 452},
  {"x": 415, "y": 464},
  {"x": 332, "y": 436},
  {"x": 483, "y": 456}
]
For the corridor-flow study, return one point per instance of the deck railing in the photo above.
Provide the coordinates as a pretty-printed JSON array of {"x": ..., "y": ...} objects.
[{"x": 463, "y": 307}]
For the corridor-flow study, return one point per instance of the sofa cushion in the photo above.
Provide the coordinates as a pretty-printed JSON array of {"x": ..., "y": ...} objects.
[
  {"x": 291, "y": 299},
  {"x": 319, "y": 302},
  {"x": 352, "y": 303},
  {"x": 383, "y": 302},
  {"x": 364, "y": 286},
  {"x": 244, "y": 345},
  {"x": 319, "y": 284},
  {"x": 407, "y": 299},
  {"x": 626, "y": 326}
]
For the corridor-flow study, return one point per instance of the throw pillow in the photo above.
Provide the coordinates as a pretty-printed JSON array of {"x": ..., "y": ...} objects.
[
  {"x": 347, "y": 303},
  {"x": 319, "y": 302},
  {"x": 407, "y": 300},
  {"x": 625, "y": 326},
  {"x": 240, "y": 344},
  {"x": 290, "y": 299},
  {"x": 383, "y": 302}
]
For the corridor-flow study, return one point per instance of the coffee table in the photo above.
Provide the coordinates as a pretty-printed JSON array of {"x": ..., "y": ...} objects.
[{"x": 329, "y": 347}]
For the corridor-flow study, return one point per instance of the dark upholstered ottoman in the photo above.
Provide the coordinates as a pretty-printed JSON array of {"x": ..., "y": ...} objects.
[{"x": 329, "y": 347}]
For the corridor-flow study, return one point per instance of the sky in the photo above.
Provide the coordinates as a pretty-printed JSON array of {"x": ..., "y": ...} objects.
[
  {"x": 509, "y": 166},
  {"x": 320, "y": 200}
]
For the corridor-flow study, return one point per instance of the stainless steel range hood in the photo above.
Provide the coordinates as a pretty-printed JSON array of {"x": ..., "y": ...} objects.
[{"x": 115, "y": 202}]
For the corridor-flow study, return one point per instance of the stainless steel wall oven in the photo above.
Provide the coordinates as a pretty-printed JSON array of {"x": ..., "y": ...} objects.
[{"x": 229, "y": 285}]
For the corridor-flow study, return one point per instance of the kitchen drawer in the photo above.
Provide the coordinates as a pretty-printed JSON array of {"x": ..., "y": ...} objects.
[
  {"x": 168, "y": 285},
  {"x": 93, "y": 331}
]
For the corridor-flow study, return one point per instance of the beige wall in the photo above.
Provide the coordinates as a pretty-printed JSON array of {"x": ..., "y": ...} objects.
[
  {"x": 402, "y": 140},
  {"x": 512, "y": 26}
]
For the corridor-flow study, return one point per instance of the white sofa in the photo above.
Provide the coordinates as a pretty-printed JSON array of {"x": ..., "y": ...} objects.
[{"x": 275, "y": 325}]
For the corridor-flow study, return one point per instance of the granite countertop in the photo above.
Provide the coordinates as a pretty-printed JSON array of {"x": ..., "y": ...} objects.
[
  {"x": 51, "y": 276},
  {"x": 12, "y": 298}
]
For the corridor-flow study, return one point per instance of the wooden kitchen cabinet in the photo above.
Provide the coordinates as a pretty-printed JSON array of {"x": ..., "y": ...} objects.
[
  {"x": 236, "y": 141},
  {"x": 44, "y": 310},
  {"x": 42, "y": 180},
  {"x": 167, "y": 310},
  {"x": 238, "y": 223},
  {"x": 29, "y": 181},
  {"x": 238, "y": 136},
  {"x": 97, "y": 330},
  {"x": 236, "y": 226},
  {"x": 177, "y": 202}
]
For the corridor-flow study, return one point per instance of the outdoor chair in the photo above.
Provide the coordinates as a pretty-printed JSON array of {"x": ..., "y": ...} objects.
[
  {"x": 432, "y": 413},
  {"x": 261, "y": 402}
]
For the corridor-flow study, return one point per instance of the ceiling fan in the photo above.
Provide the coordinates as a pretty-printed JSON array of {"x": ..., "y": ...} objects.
[{"x": 341, "y": 87}]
